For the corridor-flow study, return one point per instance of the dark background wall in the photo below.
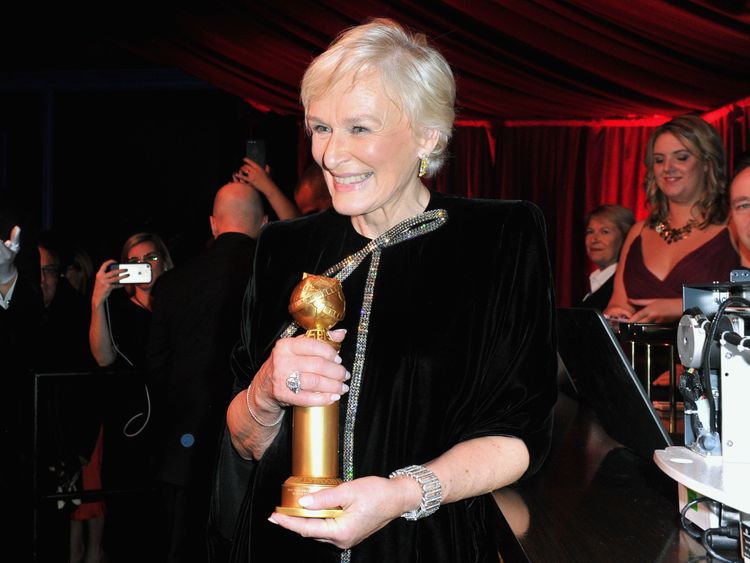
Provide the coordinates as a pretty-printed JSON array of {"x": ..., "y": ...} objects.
[
  {"x": 97, "y": 142},
  {"x": 98, "y": 159}
]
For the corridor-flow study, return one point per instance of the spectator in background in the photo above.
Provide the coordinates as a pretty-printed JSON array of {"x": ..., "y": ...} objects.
[
  {"x": 739, "y": 201},
  {"x": 63, "y": 333},
  {"x": 49, "y": 265},
  {"x": 196, "y": 322},
  {"x": 258, "y": 177},
  {"x": 310, "y": 193},
  {"x": 118, "y": 335},
  {"x": 69, "y": 412},
  {"x": 65, "y": 322},
  {"x": 685, "y": 237},
  {"x": 606, "y": 229},
  {"x": 20, "y": 313},
  {"x": 87, "y": 521},
  {"x": 20, "y": 305},
  {"x": 80, "y": 271},
  {"x": 124, "y": 340},
  {"x": 20, "y": 310}
]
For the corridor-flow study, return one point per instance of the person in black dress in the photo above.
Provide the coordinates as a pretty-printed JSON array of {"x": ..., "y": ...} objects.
[
  {"x": 446, "y": 372},
  {"x": 686, "y": 238},
  {"x": 118, "y": 337}
]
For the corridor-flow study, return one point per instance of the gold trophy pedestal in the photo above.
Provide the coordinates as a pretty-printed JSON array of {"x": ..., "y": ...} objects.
[
  {"x": 296, "y": 487},
  {"x": 317, "y": 303},
  {"x": 315, "y": 462}
]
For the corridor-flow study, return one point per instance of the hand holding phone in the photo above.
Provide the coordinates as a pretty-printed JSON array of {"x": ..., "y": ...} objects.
[
  {"x": 255, "y": 150},
  {"x": 136, "y": 273}
]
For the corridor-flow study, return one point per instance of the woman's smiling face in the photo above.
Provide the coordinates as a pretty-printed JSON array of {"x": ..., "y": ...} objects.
[
  {"x": 366, "y": 147},
  {"x": 679, "y": 173},
  {"x": 603, "y": 242}
]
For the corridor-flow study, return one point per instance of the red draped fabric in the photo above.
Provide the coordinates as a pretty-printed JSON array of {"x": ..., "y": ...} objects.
[
  {"x": 569, "y": 170},
  {"x": 557, "y": 99},
  {"x": 513, "y": 59}
]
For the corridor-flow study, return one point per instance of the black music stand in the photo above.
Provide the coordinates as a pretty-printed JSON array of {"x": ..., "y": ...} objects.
[{"x": 604, "y": 379}]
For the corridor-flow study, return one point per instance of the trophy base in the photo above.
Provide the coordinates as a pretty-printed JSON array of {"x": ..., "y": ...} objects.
[{"x": 296, "y": 487}]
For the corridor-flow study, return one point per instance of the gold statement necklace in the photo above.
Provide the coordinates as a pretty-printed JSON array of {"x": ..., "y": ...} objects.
[{"x": 670, "y": 234}]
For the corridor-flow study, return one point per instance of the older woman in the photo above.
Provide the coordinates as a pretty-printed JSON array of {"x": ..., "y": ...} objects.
[
  {"x": 606, "y": 229},
  {"x": 685, "y": 238},
  {"x": 449, "y": 327}
]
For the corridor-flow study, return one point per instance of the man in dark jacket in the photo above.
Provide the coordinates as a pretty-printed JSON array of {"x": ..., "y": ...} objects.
[{"x": 196, "y": 322}]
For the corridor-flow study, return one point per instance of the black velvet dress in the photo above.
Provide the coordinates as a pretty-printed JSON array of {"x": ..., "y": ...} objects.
[{"x": 461, "y": 345}]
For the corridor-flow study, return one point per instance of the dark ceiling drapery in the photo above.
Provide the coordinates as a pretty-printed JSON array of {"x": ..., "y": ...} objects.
[
  {"x": 556, "y": 86},
  {"x": 513, "y": 59}
]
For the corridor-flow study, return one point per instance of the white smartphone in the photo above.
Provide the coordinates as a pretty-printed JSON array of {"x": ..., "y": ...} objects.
[{"x": 137, "y": 273}]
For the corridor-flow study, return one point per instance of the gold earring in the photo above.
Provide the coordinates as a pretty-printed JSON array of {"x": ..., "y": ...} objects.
[{"x": 423, "y": 162}]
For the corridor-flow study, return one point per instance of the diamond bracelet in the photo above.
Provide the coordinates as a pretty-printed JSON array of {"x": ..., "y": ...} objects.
[{"x": 432, "y": 490}]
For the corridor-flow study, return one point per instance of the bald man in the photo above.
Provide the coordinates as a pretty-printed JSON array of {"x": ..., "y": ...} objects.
[
  {"x": 196, "y": 322},
  {"x": 237, "y": 209},
  {"x": 739, "y": 204}
]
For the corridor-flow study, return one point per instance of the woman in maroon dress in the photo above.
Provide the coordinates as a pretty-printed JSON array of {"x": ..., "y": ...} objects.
[{"x": 685, "y": 238}]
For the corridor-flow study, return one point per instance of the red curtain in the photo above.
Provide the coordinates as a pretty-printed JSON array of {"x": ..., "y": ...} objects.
[
  {"x": 579, "y": 59},
  {"x": 621, "y": 67},
  {"x": 568, "y": 171}
]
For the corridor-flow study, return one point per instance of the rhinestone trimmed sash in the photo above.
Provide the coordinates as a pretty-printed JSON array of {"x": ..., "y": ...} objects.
[{"x": 410, "y": 228}]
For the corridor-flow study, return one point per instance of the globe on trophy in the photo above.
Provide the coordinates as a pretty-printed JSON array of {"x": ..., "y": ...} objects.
[{"x": 317, "y": 304}]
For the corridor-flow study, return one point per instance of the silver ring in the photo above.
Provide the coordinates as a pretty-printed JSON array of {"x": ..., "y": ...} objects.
[{"x": 293, "y": 382}]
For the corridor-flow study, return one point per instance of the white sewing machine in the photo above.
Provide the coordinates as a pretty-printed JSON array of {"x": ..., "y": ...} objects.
[{"x": 713, "y": 341}]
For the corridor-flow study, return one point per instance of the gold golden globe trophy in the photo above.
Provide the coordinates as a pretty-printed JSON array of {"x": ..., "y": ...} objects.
[{"x": 317, "y": 303}]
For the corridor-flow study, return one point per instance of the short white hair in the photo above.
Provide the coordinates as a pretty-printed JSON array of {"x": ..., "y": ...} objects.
[{"x": 414, "y": 74}]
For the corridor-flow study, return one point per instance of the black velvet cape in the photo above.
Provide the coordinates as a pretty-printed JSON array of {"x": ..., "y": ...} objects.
[{"x": 461, "y": 345}]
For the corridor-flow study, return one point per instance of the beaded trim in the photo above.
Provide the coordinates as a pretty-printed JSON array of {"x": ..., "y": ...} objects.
[{"x": 406, "y": 230}]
